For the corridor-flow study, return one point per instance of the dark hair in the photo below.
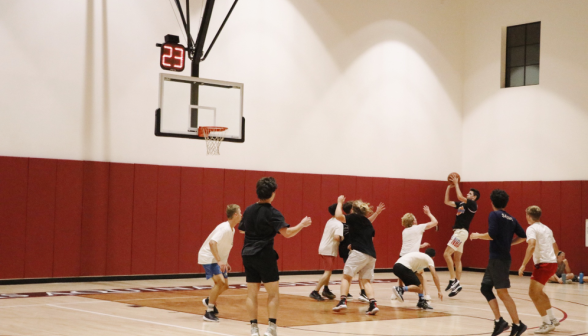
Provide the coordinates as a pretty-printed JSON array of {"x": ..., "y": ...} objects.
[
  {"x": 265, "y": 187},
  {"x": 332, "y": 209},
  {"x": 430, "y": 252},
  {"x": 476, "y": 193},
  {"x": 347, "y": 206},
  {"x": 499, "y": 198}
]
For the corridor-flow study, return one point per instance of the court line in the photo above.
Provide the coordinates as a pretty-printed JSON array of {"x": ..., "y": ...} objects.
[{"x": 138, "y": 320}]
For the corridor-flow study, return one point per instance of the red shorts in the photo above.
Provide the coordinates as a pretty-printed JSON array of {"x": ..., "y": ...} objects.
[
  {"x": 543, "y": 272},
  {"x": 328, "y": 262}
]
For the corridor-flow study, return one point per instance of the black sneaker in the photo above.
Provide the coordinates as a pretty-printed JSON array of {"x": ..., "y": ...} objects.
[
  {"x": 210, "y": 317},
  {"x": 455, "y": 290},
  {"x": 328, "y": 294},
  {"x": 373, "y": 309},
  {"x": 500, "y": 326},
  {"x": 341, "y": 305},
  {"x": 363, "y": 298},
  {"x": 205, "y": 303},
  {"x": 423, "y": 304},
  {"x": 449, "y": 285},
  {"x": 349, "y": 297},
  {"x": 315, "y": 295},
  {"x": 518, "y": 330},
  {"x": 398, "y": 291}
]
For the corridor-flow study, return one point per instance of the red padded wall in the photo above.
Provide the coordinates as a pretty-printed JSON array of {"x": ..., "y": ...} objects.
[
  {"x": 383, "y": 222},
  {"x": 68, "y": 219},
  {"x": 144, "y": 219},
  {"x": 13, "y": 216},
  {"x": 213, "y": 206},
  {"x": 168, "y": 220},
  {"x": 313, "y": 208},
  {"x": 190, "y": 220},
  {"x": 235, "y": 194},
  {"x": 396, "y": 207},
  {"x": 94, "y": 218},
  {"x": 120, "y": 219},
  {"x": 572, "y": 225},
  {"x": 278, "y": 203},
  {"x": 550, "y": 206},
  {"x": 40, "y": 218},
  {"x": 292, "y": 211}
]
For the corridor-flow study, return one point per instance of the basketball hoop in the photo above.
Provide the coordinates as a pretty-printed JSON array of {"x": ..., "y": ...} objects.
[{"x": 214, "y": 136}]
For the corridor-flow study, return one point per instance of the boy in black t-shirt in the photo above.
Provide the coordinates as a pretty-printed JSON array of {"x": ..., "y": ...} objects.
[
  {"x": 362, "y": 258},
  {"x": 501, "y": 228},
  {"x": 466, "y": 209},
  {"x": 260, "y": 223}
]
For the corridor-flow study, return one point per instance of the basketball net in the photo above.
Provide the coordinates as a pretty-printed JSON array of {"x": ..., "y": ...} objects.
[{"x": 213, "y": 136}]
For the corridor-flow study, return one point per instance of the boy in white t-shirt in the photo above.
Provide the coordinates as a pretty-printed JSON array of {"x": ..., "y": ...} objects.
[
  {"x": 407, "y": 269},
  {"x": 328, "y": 248},
  {"x": 412, "y": 236},
  {"x": 543, "y": 248},
  {"x": 213, "y": 256}
]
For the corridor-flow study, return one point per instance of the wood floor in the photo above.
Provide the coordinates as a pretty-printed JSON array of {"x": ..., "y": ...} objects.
[{"x": 173, "y": 307}]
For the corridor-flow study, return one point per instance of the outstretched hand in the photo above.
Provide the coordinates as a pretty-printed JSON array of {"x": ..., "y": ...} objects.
[
  {"x": 440, "y": 295},
  {"x": 341, "y": 199},
  {"x": 381, "y": 207},
  {"x": 426, "y": 210},
  {"x": 306, "y": 221}
]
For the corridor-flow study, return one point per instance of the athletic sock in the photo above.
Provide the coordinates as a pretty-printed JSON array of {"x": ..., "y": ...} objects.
[
  {"x": 273, "y": 321},
  {"x": 550, "y": 314},
  {"x": 326, "y": 289},
  {"x": 497, "y": 320},
  {"x": 546, "y": 319},
  {"x": 210, "y": 307},
  {"x": 363, "y": 292},
  {"x": 405, "y": 288},
  {"x": 421, "y": 296},
  {"x": 253, "y": 321}
]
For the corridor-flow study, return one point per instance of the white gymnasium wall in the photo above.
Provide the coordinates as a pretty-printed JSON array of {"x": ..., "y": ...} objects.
[
  {"x": 526, "y": 133},
  {"x": 370, "y": 87}
]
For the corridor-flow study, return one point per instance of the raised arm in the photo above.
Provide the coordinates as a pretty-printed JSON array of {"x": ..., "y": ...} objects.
[
  {"x": 457, "y": 190},
  {"x": 433, "y": 221},
  {"x": 292, "y": 231},
  {"x": 339, "y": 211},
  {"x": 528, "y": 255},
  {"x": 378, "y": 211},
  {"x": 483, "y": 236},
  {"x": 447, "y": 201}
]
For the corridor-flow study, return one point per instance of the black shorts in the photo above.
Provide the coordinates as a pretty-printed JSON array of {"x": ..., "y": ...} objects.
[
  {"x": 262, "y": 267},
  {"x": 497, "y": 274},
  {"x": 405, "y": 274}
]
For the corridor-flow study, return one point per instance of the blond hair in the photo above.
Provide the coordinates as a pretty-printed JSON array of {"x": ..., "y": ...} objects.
[
  {"x": 408, "y": 220},
  {"x": 362, "y": 208},
  {"x": 232, "y": 210},
  {"x": 534, "y": 212}
]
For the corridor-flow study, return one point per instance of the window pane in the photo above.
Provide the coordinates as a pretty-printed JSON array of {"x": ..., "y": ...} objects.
[
  {"x": 532, "y": 75},
  {"x": 533, "y": 33},
  {"x": 516, "y": 76},
  {"x": 515, "y": 56},
  {"x": 532, "y": 56},
  {"x": 515, "y": 36}
]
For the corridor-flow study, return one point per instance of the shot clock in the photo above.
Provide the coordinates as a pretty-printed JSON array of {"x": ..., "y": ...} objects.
[{"x": 172, "y": 54}]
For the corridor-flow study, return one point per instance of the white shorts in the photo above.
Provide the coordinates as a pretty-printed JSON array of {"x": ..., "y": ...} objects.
[
  {"x": 458, "y": 240},
  {"x": 360, "y": 263}
]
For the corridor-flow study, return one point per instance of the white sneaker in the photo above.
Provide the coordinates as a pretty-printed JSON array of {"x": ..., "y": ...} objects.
[
  {"x": 272, "y": 330},
  {"x": 254, "y": 329},
  {"x": 428, "y": 298},
  {"x": 545, "y": 328},
  {"x": 555, "y": 322}
]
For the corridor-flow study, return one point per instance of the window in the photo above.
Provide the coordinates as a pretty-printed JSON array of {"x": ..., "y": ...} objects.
[{"x": 522, "y": 54}]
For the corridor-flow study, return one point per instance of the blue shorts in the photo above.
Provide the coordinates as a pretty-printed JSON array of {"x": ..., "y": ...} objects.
[{"x": 212, "y": 270}]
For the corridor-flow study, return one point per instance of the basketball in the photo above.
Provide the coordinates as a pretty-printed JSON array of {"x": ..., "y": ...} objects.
[{"x": 453, "y": 174}]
